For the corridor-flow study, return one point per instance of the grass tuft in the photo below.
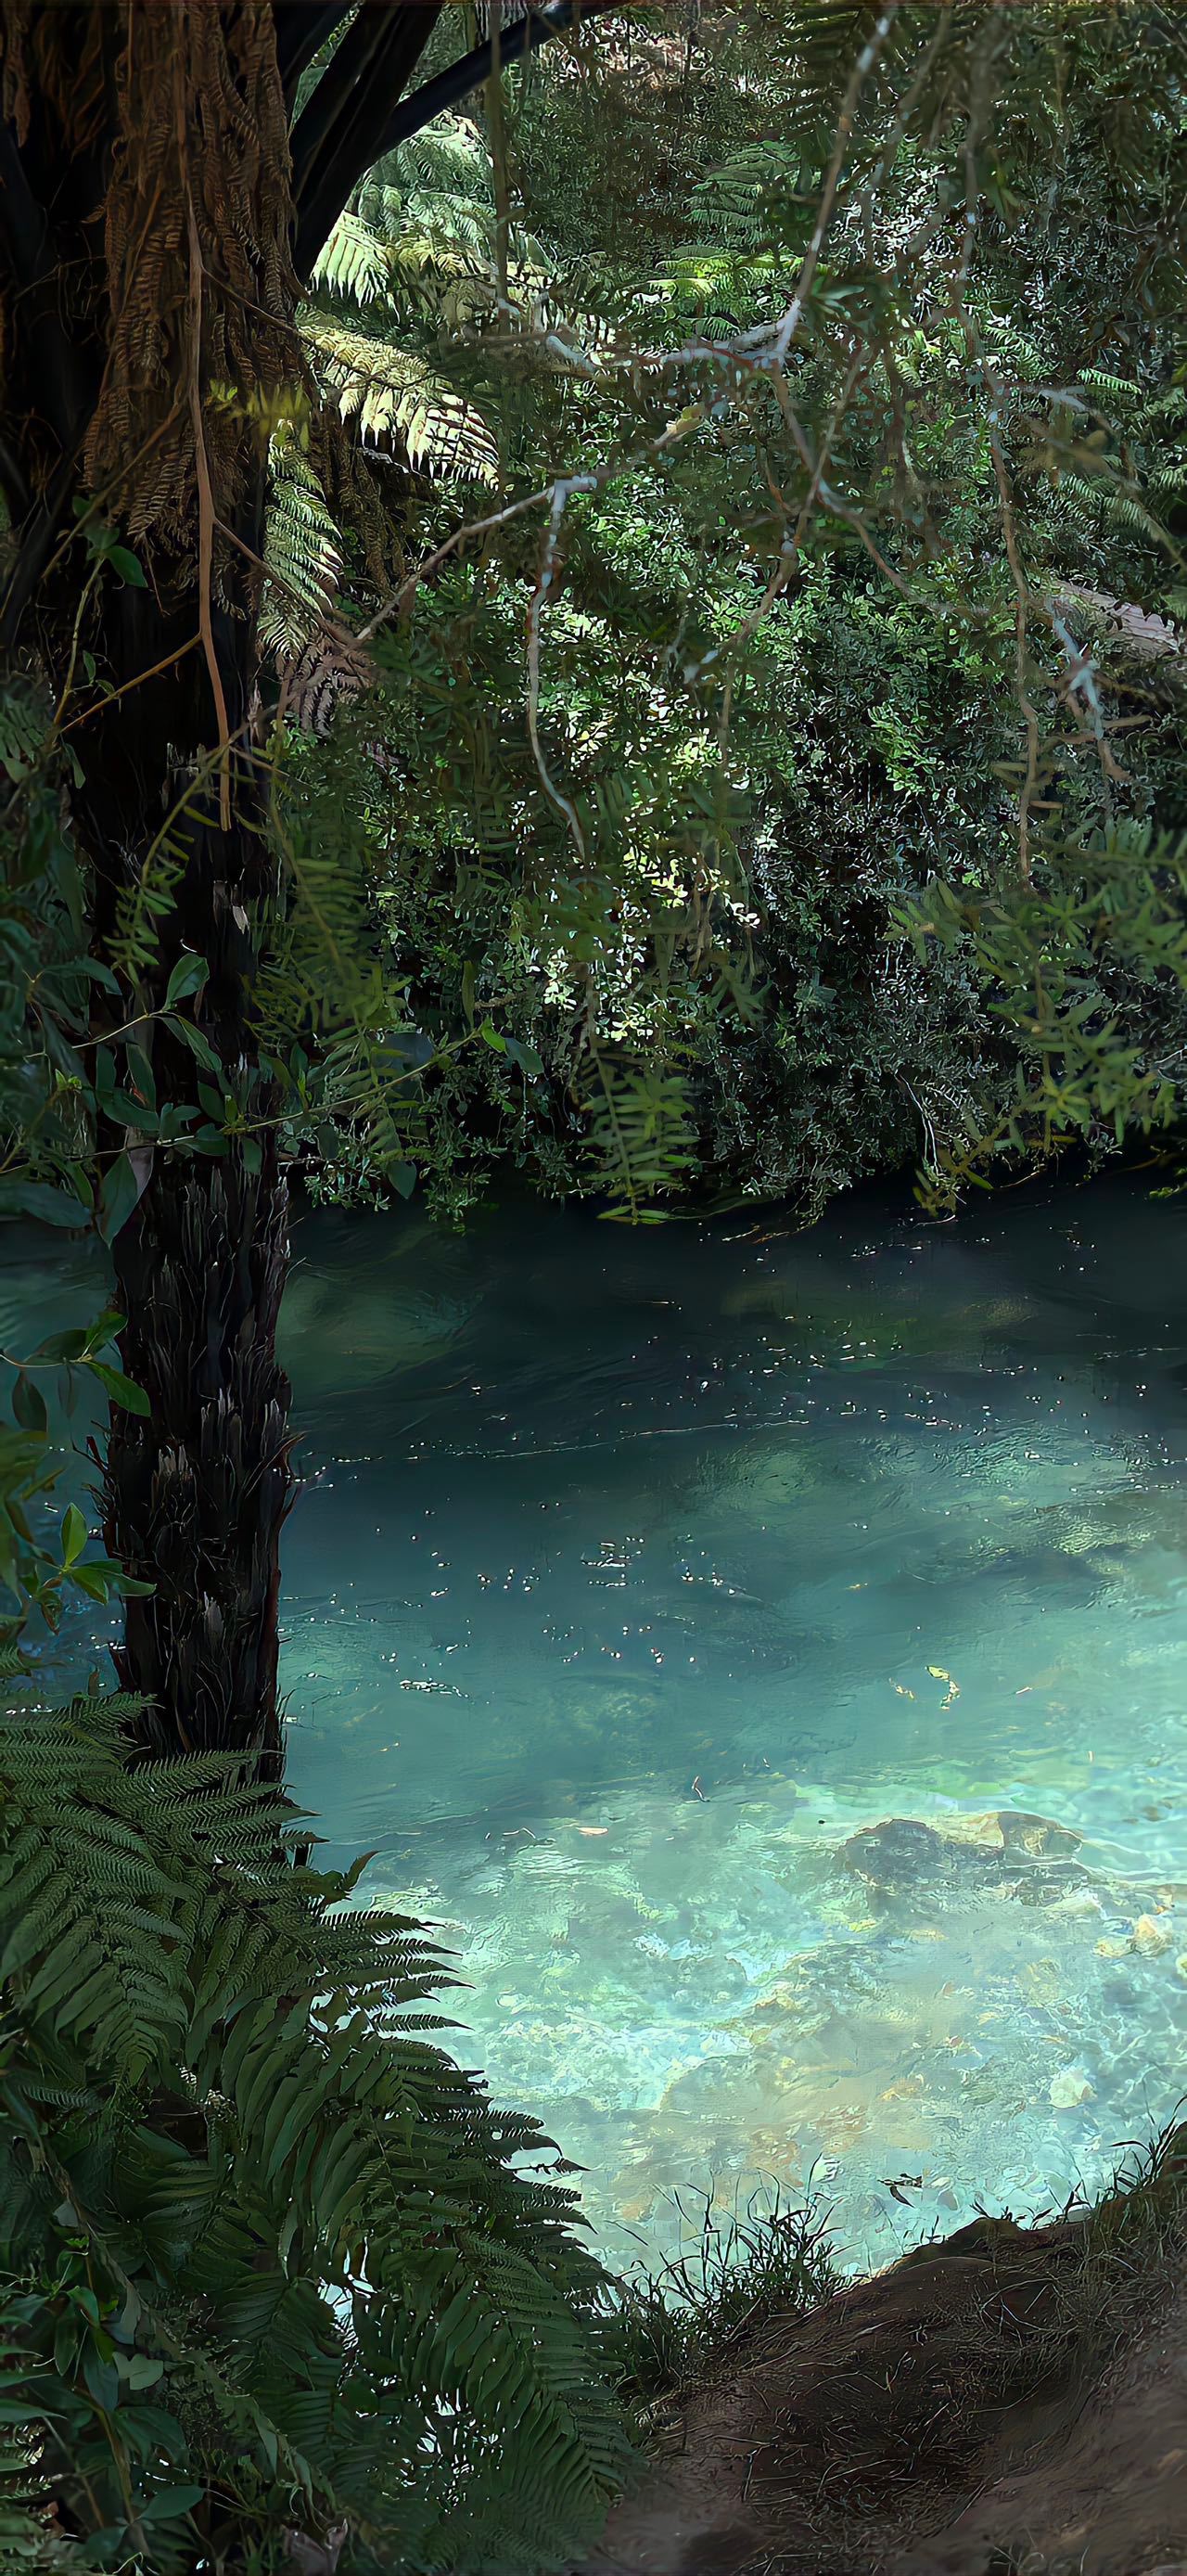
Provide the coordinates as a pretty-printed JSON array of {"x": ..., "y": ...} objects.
[{"x": 740, "y": 2268}]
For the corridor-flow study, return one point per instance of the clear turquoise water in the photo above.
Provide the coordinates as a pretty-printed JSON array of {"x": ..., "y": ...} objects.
[{"x": 609, "y": 1612}]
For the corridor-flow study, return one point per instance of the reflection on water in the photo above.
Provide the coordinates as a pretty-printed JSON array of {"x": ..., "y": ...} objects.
[
  {"x": 643, "y": 1571},
  {"x": 638, "y": 1573}
]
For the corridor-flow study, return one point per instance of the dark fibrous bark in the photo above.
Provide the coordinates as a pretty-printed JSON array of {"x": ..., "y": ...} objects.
[{"x": 147, "y": 310}]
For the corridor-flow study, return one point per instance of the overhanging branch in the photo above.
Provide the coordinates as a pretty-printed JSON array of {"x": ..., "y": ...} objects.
[
  {"x": 395, "y": 117},
  {"x": 302, "y": 27},
  {"x": 340, "y": 132}
]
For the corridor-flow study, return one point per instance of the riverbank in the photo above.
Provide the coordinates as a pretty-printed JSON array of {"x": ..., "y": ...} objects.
[{"x": 1010, "y": 2399}]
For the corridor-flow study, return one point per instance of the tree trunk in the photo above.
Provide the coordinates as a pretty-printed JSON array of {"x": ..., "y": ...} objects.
[
  {"x": 196, "y": 1492},
  {"x": 148, "y": 208},
  {"x": 148, "y": 302}
]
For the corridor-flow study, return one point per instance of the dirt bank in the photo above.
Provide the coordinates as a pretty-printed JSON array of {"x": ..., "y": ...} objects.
[{"x": 1009, "y": 2400}]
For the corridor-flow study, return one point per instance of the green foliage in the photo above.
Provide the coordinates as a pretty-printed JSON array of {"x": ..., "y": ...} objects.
[
  {"x": 392, "y": 395},
  {"x": 1087, "y": 964},
  {"x": 303, "y": 551},
  {"x": 658, "y": 788},
  {"x": 51, "y": 1077},
  {"x": 270, "y": 2259}
]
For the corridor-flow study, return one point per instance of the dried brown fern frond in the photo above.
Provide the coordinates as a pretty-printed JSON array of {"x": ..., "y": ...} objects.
[
  {"x": 331, "y": 670},
  {"x": 60, "y": 53},
  {"x": 15, "y": 22},
  {"x": 200, "y": 276}
]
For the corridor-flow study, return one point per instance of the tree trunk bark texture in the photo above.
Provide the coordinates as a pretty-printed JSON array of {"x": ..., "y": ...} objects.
[{"x": 148, "y": 296}]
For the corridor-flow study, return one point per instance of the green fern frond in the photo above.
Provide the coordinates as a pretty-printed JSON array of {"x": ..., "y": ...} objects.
[
  {"x": 212, "y": 2062},
  {"x": 392, "y": 395},
  {"x": 303, "y": 553},
  {"x": 641, "y": 1135},
  {"x": 354, "y": 262}
]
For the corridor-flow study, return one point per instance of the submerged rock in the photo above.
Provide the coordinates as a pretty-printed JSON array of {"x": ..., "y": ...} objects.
[
  {"x": 903, "y": 1849},
  {"x": 1080, "y": 1904},
  {"x": 1151, "y": 1935},
  {"x": 1012, "y": 1829},
  {"x": 1070, "y": 2088}
]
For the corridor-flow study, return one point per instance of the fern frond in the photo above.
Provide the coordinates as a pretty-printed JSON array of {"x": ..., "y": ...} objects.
[
  {"x": 303, "y": 554},
  {"x": 392, "y": 395},
  {"x": 214, "y": 2061}
]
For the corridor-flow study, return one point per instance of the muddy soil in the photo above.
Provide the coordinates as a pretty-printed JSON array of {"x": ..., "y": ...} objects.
[{"x": 1011, "y": 2402}]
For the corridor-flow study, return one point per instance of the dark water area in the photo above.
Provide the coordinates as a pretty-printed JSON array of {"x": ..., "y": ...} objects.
[{"x": 638, "y": 1573}]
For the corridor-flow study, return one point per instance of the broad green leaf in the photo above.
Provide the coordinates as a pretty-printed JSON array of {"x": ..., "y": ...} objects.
[
  {"x": 187, "y": 976},
  {"x": 38, "y": 1199},
  {"x": 169, "y": 2501},
  {"x": 29, "y": 1406},
  {"x": 121, "y": 1189},
  {"x": 122, "y": 1390},
  {"x": 123, "y": 561},
  {"x": 197, "y": 1044}
]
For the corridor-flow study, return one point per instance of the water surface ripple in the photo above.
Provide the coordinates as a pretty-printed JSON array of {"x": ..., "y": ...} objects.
[{"x": 639, "y": 1573}]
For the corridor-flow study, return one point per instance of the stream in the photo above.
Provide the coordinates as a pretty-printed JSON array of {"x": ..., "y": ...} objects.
[{"x": 640, "y": 1573}]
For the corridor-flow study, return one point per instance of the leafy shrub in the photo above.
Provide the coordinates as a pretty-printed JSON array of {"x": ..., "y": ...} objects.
[{"x": 652, "y": 935}]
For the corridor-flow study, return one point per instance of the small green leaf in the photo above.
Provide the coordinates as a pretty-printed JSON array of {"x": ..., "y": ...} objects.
[
  {"x": 102, "y": 2379},
  {"x": 188, "y": 976},
  {"x": 29, "y": 1407},
  {"x": 122, "y": 1187},
  {"x": 105, "y": 1329},
  {"x": 524, "y": 1056},
  {"x": 90, "y": 1581},
  {"x": 123, "y": 561},
  {"x": 122, "y": 1390},
  {"x": 140, "y": 1074},
  {"x": 74, "y": 1534},
  {"x": 59, "y": 1050},
  {"x": 63, "y": 1346},
  {"x": 493, "y": 1037}
]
